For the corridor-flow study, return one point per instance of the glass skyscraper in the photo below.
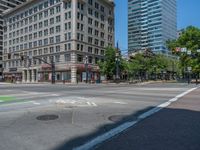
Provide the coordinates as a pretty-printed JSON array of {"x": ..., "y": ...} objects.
[{"x": 150, "y": 24}]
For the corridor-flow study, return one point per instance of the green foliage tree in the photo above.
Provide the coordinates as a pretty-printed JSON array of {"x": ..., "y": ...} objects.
[
  {"x": 190, "y": 39},
  {"x": 108, "y": 66},
  {"x": 151, "y": 66}
]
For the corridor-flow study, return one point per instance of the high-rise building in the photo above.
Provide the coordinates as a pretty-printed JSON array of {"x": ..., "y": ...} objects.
[
  {"x": 4, "y": 5},
  {"x": 150, "y": 24},
  {"x": 72, "y": 33}
]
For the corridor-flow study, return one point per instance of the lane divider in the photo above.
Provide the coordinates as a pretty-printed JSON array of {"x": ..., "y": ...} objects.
[{"x": 113, "y": 132}]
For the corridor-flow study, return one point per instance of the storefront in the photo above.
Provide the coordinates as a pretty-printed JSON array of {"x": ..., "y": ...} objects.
[
  {"x": 61, "y": 74},
  {"x": 92, "y": 72},
  {"x": 13, "y": 75}
]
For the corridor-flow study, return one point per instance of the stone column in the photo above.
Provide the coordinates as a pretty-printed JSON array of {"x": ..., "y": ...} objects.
[
  {"x": 33, "y": 76},
  {"x": 73, "y": 68},
  {"x": 28, "y": 76},
  {"x": 73, "y": 74},
  {"x": 23, "y": 76},
  {"x": 36, "y": 75}
]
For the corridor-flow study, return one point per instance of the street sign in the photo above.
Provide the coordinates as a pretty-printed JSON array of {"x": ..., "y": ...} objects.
[
  {"x": 189, "y": 52},
  {"x": 183, "y": 49},
  {"x": 189, "y": 68},
  {"x": 178, "y": 49}
]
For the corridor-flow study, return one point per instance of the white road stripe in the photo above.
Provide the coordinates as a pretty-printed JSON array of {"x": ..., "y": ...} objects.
[
  {"x": 89, "y": 103},
  {"x": 36, "y": 103},
  {"x": 127, "y": 125},
  {"x": 94, "y": 104},
  {"x": 122, "y": 103}
]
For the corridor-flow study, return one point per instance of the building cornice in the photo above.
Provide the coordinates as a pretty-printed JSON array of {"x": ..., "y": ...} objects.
[{"x": 29, "y": 2}]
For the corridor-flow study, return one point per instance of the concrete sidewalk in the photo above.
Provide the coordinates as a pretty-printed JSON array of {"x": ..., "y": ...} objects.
[{"x": 176, "y": 127}]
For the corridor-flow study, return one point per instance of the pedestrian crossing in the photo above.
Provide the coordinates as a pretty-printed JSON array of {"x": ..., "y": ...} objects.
[
  {"x": 46, "y": 98},
  {"x": 76, "y": 101}
]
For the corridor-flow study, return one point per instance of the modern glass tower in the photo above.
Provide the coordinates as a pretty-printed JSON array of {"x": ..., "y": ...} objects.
[
  {"x": 150, "y": 24},
  {"x": 4, "y": 5}
]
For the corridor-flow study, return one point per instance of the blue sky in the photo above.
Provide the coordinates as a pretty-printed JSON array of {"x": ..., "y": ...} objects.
[{"x": 188, "y": 13}]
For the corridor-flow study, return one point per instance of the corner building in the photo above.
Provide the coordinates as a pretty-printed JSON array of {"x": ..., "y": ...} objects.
[
  {"x": 67, "y": 30},
  {"x": 150, "y": 24},
  {"x": 5, "y": 5}
]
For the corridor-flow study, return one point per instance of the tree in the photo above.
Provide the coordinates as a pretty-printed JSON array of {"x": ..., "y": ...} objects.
[
  {"x": 190, "y": 39},
  {"x": 108, "y": 66}
]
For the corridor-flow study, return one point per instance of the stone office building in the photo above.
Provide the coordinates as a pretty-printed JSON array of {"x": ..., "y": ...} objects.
[
  {"x": 5, "y": 5},
  {"x": 67, "y": 31}
]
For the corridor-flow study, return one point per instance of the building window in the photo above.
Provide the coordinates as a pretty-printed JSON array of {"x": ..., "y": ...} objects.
[
  {"x": 57, "y": 58},
  {"x": 45, "y": 50},
  {"x": 57, "y": 18},
  {"x": 58, "y": 28},
  {"x": 52, "y": 11},
  {"x": 58, "y": 9},
  {"x": 67, "y": 57},
  {"x": 58, "y": 48},
  {"x": 79, "y": 58},
  {"x": 68, "y": 5},
  {"x": 51, "y": 49},
  {"x": 52, "y": 30},
  {"x": 51, "y": 39},
  {"x": 52, "y": 21},
  {"x": 46, "y": 41}
]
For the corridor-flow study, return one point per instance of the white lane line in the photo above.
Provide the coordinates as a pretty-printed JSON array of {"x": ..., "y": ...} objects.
[
  {"x": 122, "y": 103},
  {"x": 36, "y": 103},
  {"x": 126, "y": 125},
  {"x": 55, "y": 95}
]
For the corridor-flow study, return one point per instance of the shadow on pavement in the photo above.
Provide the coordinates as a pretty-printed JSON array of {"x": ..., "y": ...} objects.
[
  {"x": 168, "y": 129},
  {"x": 118, "y": 120}
]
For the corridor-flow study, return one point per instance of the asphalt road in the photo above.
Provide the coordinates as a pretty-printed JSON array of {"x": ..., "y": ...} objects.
[
  {"x": 176, "y": 127},
  {"x": 83, "y": 111}
]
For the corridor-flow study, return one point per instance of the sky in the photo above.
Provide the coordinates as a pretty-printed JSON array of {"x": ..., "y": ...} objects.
[{"x": 188, "y": 13}]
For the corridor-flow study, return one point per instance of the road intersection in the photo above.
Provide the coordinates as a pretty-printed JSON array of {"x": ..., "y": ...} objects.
[{"x": 84, "y": 112}]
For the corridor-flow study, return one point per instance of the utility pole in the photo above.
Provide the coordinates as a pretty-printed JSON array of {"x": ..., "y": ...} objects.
[
  {"x": 86, "y": 68},
  {"x": 52, "y": 71},
  {"x": 117, "y": 62}
]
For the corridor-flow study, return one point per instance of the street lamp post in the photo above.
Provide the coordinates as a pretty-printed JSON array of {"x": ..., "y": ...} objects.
[
  {"x": 52, "y": 71},
  {"x": 86, "y": 68},
  {"x": 117, "y": 66}
]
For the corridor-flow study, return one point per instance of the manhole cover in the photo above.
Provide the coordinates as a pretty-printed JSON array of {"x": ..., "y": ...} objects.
[
  {"x": 47, "y": 117},
  {"x": 116, "y": 118}
]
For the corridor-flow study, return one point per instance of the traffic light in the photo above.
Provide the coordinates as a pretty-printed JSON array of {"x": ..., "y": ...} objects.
[{"x": 9, "y": 55}]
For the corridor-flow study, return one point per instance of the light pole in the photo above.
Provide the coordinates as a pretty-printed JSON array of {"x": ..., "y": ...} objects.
[
  {"x": 86, "y": 68},
  {"x": 52, "y": 71},
  {"x": 117, "y": 66}
]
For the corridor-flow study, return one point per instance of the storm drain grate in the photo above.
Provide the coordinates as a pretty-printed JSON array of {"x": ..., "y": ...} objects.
[{"x": 47, "y": 117}]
